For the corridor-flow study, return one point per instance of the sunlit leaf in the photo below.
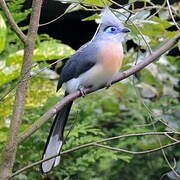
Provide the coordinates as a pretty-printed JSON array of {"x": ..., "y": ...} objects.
[
  {"x": 46, "y": 50},
  {"x": 140, "y": 16},
  {"x": 9, "y": 73},
  {"x": 3, "y": 32},
  {"x": 90, "y": 18},
  {"x": 89, "y": 2},
  {"x": 49, "y": 50},
  {"x": 96, "y": 2},
  {"x": 39, "y": 91},
  {"x": 6, "y": 111}
]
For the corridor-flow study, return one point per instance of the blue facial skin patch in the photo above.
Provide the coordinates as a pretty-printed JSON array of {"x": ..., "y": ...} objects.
[
  {"x": 115, "y": 30},
  {"x": 112, "y": 29}
]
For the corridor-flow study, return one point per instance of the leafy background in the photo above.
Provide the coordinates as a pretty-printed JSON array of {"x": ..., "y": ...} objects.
[{"x": 149, "y": 101}]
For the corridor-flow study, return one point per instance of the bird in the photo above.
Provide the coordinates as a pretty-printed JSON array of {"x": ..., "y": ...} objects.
[{"x": 93, "y": 65}]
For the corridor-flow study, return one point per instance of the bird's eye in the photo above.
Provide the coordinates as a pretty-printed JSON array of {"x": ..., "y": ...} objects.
[{"x": 111, "y": 29}]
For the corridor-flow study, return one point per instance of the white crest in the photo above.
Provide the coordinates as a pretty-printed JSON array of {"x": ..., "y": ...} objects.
[{"x": 108, "y": 18}]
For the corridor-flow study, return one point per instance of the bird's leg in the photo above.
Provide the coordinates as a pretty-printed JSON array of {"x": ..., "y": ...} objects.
[
  {"x": 81, "y": 89},
  {"x": 108, "y": 84}
]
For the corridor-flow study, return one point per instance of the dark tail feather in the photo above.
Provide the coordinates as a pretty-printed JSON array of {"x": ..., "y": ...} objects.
[{"x": 55, "y": 139}]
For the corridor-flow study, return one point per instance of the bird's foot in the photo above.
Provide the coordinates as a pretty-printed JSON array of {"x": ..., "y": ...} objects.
[
  {"x": 83, "y": 93},
  {"x": 108, "y": 84}
]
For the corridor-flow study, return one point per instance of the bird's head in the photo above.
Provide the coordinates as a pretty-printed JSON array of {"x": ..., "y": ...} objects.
[{"x": 111, "y": 27}]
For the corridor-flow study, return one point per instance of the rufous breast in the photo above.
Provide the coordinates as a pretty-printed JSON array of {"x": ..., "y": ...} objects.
[{"x": 111, "y": 56}]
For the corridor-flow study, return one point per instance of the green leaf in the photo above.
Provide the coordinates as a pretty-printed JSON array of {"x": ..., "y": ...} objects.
[
  {"x": 89, "y": 2},
  {"x": 14, "y": 58},
  {"x": 39, "y": 91},
  {"x": 98, "y": 2},
  {"x": 91, "y": 18},
  {"x": 46, "y": 50},
  {"x": 174, "y": 60},
  {"x": 162, "y": 22},
  {"x": 3, "y": 134},
  {"x": 16, "y": 10},
  {"x": 148, "y": 77},
  {"x": 151, "y": 143},
  {"x": 9, "y": 73},
  {"x": 157, "y": 31},
  {"x": 3, "y": 32},
  {"x": 139, "y": 40},
  {"x": 49, "y": 50},
  {"x": 140, "y": 15}
]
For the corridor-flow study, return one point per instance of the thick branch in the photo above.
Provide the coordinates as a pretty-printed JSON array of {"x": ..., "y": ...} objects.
[
  {"x": 11, "y": 146},
  {"x": 77, "y": 94},
  {"x": 11, "y": 20},
  {"x": 96, "y": 144}
]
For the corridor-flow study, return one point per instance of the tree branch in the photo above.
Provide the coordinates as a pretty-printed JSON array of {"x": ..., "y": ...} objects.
[
  {"x": 11, "y": 20},
  {"x": 45, "y": 117},
  {"x": 171, "y": 14},
  {"x": 135, "y": 152},
  {"x": 96, "y": 144},
  {"x": 119, "y": 5},
  {"x": 9, "y": 152}
]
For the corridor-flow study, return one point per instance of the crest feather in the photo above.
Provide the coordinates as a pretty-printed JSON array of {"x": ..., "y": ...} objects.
[{"x": 109, "y": 19}]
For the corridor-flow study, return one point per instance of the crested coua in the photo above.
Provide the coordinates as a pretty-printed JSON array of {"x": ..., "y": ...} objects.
[{"x": 93, "y": 65}]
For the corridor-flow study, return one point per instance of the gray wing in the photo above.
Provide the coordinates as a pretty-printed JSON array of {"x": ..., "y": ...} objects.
[{"x": 80, "y": 62}]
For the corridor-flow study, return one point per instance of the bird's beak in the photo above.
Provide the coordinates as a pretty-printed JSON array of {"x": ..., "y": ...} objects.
[{"x": 125, "y": 30}]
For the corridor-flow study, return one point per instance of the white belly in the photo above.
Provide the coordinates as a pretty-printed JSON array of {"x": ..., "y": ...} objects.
[{"x": 95, "y": 77}]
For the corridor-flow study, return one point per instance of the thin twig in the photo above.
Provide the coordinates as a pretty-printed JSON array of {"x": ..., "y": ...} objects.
[
  {"x": 162, "y": 6},
  {"x": 63, "y": 14},
  {"x": 83, "y": 3},
  {"x": 96, "y": 144},
  {"x": 153, "y": 7},
  {"x": 119, "y": 5},
  {"x": 174, "y": 139},
  {"x": 12, "y": 22},
  {"x": 135, "y": 152},
  {"x": 172, "y": 17}
]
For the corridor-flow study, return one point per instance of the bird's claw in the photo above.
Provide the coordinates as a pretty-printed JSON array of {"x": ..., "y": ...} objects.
[
  {"x": 83, "y": 94},
  {"x": 108, "y": 85}
]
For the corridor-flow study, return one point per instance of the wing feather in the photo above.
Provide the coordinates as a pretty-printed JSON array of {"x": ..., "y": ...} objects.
[{"x": 84, "y": 59}]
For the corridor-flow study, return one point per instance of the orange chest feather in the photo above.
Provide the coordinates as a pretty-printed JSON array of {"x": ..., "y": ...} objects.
[{"x": 111, "y": 57}]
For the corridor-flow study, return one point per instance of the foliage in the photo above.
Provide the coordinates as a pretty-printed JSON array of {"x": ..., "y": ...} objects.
[
  {"x": 3, "y": 33},
  {"x": 91, "y": 2},
  {"x": 147, "y": 102},
  {"x": 11, "y": 55}
]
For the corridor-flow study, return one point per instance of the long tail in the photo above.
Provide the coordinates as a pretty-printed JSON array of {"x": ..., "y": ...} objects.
[{"x": 55, "y": 139}]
